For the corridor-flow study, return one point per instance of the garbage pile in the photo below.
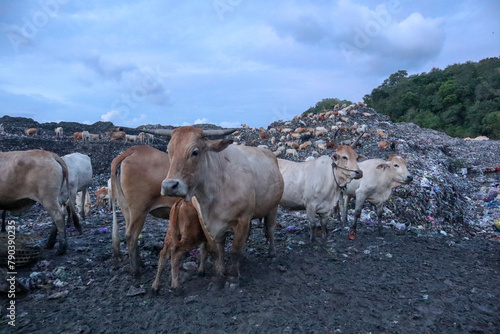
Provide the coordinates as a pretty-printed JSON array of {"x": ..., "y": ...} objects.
[{"x": 441, "y": 197}]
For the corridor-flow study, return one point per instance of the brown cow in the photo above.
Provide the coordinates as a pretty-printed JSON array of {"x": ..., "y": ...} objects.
[
  {"x": 31, "y": 132},
  {"x": 102, "y": 197},
  {"x": 116, "y": 135},
  {"x": 228, "y": 184},
  {"x": 136, "y": 177},
  {"x": 39, "y": 176},
  {"x": 77, "y": 135},
  {"x": 184, "y": 234}
]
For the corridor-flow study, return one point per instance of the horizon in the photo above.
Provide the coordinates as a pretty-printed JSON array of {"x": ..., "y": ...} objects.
[{"x": 222, "y": 62}]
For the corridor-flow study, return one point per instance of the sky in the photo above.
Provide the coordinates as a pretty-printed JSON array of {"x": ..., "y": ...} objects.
[{"x": 225, "y": 62}]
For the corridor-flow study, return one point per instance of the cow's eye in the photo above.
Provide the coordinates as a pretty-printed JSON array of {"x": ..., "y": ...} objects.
[
  {"x": 396, "y": 165},
  {"x": 344, "y": 157},
  {"x": 194, "y": 153}
]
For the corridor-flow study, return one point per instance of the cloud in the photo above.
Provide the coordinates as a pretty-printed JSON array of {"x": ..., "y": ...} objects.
[
  {"x": 226, "y": 124},
  {"x": 201, "y": 121},
  {"x": 111, "y": 116}
]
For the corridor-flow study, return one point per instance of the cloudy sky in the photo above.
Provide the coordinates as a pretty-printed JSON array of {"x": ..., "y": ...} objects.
[{"x": 225, "y": 62}]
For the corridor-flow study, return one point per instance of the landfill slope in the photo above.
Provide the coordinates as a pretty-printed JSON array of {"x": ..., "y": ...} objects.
[{"x": 434, "y": 271}]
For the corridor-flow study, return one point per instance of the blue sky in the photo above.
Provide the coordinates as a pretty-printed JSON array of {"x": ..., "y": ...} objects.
[{"x": 225, "y": 62}]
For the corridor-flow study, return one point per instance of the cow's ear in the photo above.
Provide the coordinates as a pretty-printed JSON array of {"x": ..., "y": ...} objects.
[
  {"x": 361, "y": 158},
  {"x": 383, "y": 166},
  {"x": 219, "y": 144}
]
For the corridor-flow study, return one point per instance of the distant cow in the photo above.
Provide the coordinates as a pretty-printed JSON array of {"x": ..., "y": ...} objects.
[
  {"x": 58, "y": 131},
  {"x": 116, "y": 135},
  {"x": 145, "y": 138},
  {"x": 94, "y": 137},
  {"x": 132, "y": 138},
  {"x": 85, "y": 136},
  {"x": 39, "y": 176},
  {"x": 79, "y": 175},
  {"x": 379, "y": 178},
  {"x": 228, "y": 185},
  {"x": 315, "y": 185},
  {"x": 136, "y": 177},
  {"x": 31, "y": 132},
  {"x": 77, "y": 135},
  {"x": 102, "y": 197},
  {"x": 184, "y": 234}
]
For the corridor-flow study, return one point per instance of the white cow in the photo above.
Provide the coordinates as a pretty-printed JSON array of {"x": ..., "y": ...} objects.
[
  {"x": 79, "y": 176},
  {"x": 379, "y": 178},
  {"x": 315, "y": 185},
  {"x": 58, "y": 131},
  {"x": 85, "y": 136}
]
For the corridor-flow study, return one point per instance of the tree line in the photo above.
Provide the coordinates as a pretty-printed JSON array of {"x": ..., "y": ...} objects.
[{"x": 463, "y": 100}]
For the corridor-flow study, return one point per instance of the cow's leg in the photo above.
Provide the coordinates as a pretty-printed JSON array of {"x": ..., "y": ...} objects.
[
  {"x": 57, "y": 215},
  {"x": 311, "y": 217},
  {"x": 219, "y": 267},
  {"x": 203, "y": 258},
  {"x": 164, "y": 254},
  {"x": 357, "y": 212},
  {"x": 51, "y": 241},
  {"x": 132, "y": 233},
  {"x": 269, "y": 228},
  {"x": 323, "y": 218},
  {"x": 71, "y": 210},
  {"x": 343, "y": 204},
  {"x": 380, "y": 213},
  {"x": 82, "y": 204},
  {"x": 239, "y": 241}
]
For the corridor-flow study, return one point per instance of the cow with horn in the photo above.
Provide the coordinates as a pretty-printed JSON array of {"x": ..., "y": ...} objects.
[
  {"x": 228, "y": 184},
  {"x": 315, "y": 185}
]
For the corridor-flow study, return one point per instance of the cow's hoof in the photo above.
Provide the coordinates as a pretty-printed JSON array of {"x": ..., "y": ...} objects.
[
  {"x": 352, "y": 235},
  {"x": 178, "y": 292},
  {"x": 61, "y": 250},
  {"x": 153, "y": 292}
]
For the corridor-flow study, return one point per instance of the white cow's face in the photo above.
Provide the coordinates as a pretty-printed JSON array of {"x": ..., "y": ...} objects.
[{"x": 399, "y": 169}]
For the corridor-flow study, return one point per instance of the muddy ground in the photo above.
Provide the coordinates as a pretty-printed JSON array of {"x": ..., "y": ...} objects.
[
  {"x": 401, "y": 283},
  {"x": 409, "y": 281}
]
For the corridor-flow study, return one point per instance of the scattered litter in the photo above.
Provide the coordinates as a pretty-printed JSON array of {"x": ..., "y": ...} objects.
[
  {"x": 133, "y": 291},
  {"x": 58, "y": 295}
]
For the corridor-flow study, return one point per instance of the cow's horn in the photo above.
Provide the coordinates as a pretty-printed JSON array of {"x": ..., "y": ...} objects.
[
  {"x": 334, "y": 137},
  {"x": 213, "y": 133},
  {"x": 160, "y": 132},
  {"x": 356, "y": 142}
]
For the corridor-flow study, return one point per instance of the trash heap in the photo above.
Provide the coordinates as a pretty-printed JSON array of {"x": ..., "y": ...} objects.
[{"x": 440, "y": 198}]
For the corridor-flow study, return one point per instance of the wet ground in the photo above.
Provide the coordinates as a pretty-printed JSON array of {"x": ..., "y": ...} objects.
[{"x": 401, "y": 283}]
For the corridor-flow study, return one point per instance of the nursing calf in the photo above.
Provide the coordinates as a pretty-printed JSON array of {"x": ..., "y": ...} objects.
[{"x": 184, "y": 234}]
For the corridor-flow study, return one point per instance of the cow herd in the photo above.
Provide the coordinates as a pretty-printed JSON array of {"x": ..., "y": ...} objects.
[{"x": 207, "y": 188}]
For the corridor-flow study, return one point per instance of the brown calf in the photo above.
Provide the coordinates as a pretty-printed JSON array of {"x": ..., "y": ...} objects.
[{"x": 184, "y": 234}]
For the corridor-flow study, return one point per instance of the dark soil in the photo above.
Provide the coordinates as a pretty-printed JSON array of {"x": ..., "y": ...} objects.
[{"x": 408, "y": 281}]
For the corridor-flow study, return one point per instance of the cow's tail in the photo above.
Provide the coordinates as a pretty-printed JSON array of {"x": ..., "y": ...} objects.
[
  {"x": 70, "y": 206},
  {"x": 115, "y": 188}
]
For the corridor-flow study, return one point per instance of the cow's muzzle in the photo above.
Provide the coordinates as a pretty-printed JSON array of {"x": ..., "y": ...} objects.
[
  {"x": 358, "y": 174},
  {"x": 173, "y": 188},
  {"x": 409, "y": 178}
]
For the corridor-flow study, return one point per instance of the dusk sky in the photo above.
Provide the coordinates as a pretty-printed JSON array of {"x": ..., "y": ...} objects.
[{"x": 225, "y": 62}]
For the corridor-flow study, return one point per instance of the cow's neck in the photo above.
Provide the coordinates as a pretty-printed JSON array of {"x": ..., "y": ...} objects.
[{"x": 211, "y": 171}]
